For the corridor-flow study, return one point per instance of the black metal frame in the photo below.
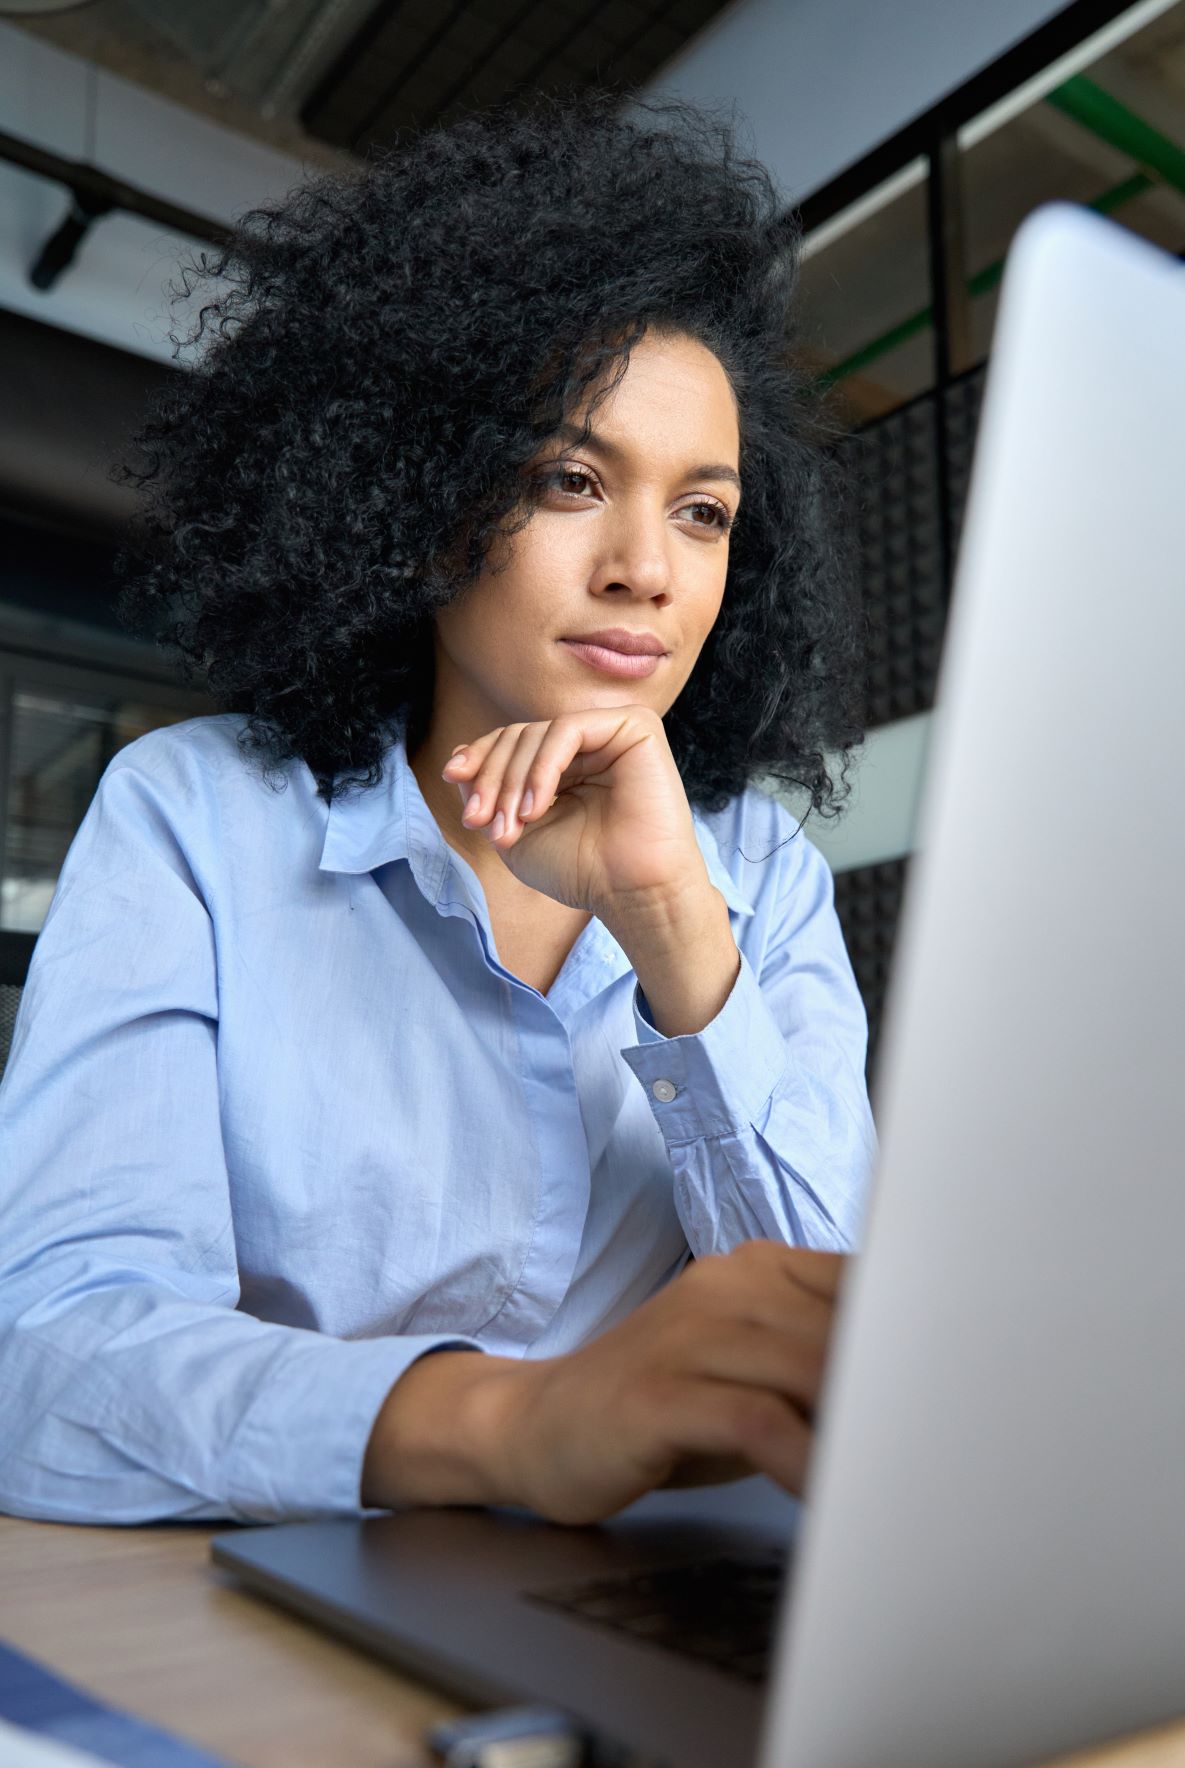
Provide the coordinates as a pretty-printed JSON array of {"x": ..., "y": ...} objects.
[
  {"x": 926, "y": 133},
  {"x": 943, "y": 221},
  {"x": 934, "y": 134}
]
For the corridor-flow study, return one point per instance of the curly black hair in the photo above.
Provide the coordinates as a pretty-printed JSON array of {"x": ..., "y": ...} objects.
[{"x": 390, "y": 349}]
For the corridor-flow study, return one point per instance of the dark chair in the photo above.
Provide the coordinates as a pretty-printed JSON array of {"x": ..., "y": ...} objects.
[{"x": 15, "y": 951}]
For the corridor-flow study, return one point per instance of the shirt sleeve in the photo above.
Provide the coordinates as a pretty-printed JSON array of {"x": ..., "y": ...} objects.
[
  {"x": 131, "y": 1388},
  {"x": 765, "y": 1112}
]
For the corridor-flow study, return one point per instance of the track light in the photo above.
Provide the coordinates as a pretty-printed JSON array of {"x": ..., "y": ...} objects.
[{"x": 59, "y": 249}]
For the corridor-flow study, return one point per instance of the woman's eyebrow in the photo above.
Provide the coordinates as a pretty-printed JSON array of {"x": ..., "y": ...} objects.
[{"x": 602, "y": 444}]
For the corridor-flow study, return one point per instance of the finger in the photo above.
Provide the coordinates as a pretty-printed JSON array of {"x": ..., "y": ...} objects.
[
  {"x": 466, "y": 758},
  {"x": 462, "y": 767},
  {"x": 562, "y": 743},
  {"x": 603, "y": 734},
  {"x": 515, "y": 778},
  {"x": 820, "y": 1272},
  {"x": 757, "y": 1282},
  {"x": 714, "y": 1418},
  {"x": 483, "y": 788},
  {"x": 785, "y": 1360}
]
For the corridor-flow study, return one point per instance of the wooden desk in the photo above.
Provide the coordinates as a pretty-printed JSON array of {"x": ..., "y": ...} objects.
[{"x": 140, "y": 1618}]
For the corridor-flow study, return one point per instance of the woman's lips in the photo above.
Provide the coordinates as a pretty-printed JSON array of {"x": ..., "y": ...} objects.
[{"x": 615, "y": 662}]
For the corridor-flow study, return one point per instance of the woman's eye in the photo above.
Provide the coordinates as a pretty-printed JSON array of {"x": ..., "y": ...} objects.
[
  {"x": 572, "y": 481},
  {"x": 711, "y": 514}
]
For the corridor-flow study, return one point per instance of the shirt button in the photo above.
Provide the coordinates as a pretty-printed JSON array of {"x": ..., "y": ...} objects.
[{"x": 664, "y": 1090}]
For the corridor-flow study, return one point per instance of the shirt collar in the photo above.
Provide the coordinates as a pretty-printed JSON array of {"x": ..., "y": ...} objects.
[{"x": 370, "y": 828}]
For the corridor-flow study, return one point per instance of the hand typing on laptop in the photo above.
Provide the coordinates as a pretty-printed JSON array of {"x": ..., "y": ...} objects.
[{"x": 712, "y": 1379}]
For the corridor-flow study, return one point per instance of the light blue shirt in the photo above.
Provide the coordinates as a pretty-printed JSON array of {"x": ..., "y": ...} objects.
[{"x": 276, "y": 1122}]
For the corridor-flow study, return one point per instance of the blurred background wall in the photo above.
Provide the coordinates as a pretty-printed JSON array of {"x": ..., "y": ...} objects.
[{"x": 911, "y": 140}]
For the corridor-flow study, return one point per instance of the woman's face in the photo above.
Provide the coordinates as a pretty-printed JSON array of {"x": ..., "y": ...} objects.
[{"x": 631, "y": 532}]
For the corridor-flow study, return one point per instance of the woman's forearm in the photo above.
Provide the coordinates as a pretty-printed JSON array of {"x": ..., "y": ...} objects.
[{"x": 440, "y": 1436}]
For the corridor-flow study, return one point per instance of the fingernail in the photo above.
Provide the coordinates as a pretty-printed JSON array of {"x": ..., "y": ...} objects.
[
  {"x": 471, "y": 806},
  {"x": 528, "y": 799},
  {"x": 499, "y": 826}
]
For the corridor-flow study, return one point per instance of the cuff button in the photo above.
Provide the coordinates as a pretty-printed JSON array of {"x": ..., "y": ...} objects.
[{"x": 664, "y": 1090}]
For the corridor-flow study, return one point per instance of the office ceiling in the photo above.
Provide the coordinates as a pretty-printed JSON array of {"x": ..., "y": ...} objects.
[
  {"x": 343, "y": 75},
  {"x": 417, "y": 62}
]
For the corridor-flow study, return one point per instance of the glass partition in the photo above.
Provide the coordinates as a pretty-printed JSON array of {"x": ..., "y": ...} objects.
[{"x": 60, "y": 729}]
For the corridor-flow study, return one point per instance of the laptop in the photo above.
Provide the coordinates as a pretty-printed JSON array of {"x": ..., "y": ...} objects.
[{"x": 989, "y": 1565}]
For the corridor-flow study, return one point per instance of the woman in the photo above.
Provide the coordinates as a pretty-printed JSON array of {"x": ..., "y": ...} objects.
[{"x": 497, "y": 1012}]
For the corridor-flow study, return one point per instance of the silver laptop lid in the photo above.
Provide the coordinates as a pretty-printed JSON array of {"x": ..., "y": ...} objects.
[{"x": 993, "y": 1566}]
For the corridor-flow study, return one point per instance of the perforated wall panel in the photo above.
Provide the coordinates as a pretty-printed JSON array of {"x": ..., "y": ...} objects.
[
  {"x": 899, "y": 550},
  {"x": 10, "y": 1000},
  {"x": 893, "y": 461},
  {"x": 868, "y": 903}
]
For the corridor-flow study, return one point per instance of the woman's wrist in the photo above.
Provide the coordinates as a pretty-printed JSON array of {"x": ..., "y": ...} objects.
[{"x": 445, "y": 1432}]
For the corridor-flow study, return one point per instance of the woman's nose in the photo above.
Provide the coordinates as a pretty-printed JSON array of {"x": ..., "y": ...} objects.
[{"x": 639, "y": 553}]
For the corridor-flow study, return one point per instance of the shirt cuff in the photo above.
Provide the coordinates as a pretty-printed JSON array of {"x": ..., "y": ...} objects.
[
  {"x": 713, "y": 1082},
  {"x": 299, "y": 1450}
]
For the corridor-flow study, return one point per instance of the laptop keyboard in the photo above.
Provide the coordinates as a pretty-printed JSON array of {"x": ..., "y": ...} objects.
[{"x": 721, "y": 1611}]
